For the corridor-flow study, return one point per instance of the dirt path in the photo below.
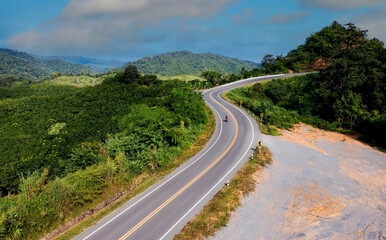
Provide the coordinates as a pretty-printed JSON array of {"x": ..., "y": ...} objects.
[{"x": 322, "y": 185}]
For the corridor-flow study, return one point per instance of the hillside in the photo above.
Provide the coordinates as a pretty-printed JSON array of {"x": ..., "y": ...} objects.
[
  {"x": 14, "y": 65},
  {"x": 188, "y": 63},
  {"x": 22, "y": 65}
]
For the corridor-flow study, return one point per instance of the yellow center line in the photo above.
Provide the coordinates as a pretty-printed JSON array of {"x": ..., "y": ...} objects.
[{"x": 192, "y": 181}]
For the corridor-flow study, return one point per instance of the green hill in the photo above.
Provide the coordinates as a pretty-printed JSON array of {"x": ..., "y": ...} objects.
[
  {"x": 188, "y": 63},
  {"x": 320, "y": 50},
  {"x": 323, "y": 47},
  {"x": 15, "y": 65}
]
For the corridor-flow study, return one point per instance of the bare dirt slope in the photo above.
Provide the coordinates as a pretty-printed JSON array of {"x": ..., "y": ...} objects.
[{"x": 322, "y": 185}]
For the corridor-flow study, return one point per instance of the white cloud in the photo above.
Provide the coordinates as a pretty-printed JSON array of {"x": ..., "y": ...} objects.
[
  {"x": 90, "y": 26},
  {"x": 375, "y": 22},
  {"x": 337, "y": 5},
  {"x": 145, "y": 9},
  {"x": 286, "y": 18},
  {"x": 244, "y": 17}
]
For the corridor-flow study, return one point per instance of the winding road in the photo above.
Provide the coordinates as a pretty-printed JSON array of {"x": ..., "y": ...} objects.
[{"x": 163, "y": 210}]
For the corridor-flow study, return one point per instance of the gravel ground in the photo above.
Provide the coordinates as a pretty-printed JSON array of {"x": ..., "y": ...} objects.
[{"x": 321, "y": 185}]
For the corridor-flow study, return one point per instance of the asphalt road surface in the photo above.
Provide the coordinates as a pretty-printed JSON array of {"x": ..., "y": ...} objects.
[{"x": 163, "y": 210}]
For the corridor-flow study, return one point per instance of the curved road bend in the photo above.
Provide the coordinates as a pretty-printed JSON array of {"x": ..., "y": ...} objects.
[{"x": 163, "y": 210}]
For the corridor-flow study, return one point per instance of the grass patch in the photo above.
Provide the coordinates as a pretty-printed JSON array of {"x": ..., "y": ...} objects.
[
  {"x": 77, "y": 81},
  {"x": 217, "y": 212},
  {"x": 142, "y": 182},
  {"x": 269, "y": 130},
  {"x": 185, "y": 78}
]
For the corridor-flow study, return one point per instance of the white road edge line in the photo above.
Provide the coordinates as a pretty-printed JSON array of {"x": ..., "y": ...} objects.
[
  {"x": 221, "y": 180},
  {"x": 221, "y": 128}
]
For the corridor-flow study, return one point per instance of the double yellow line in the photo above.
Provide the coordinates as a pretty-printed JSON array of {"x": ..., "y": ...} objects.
[{"x": 192, "y": 181}]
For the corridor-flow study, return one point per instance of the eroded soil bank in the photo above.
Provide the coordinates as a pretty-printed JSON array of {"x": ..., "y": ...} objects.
[{"x": 322, "y": 185}]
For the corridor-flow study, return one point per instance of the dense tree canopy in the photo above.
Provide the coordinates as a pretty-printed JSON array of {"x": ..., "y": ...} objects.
[
  {"x": 323, "y": 46},
  {"x": 44, "y": 126},
  {"x": 213, "y": 77},
  {"x": 131, "y": 74}
]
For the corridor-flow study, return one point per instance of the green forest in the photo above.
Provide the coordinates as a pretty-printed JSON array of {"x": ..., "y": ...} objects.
[
  {"x": 347, "y": 94},
  {"x": 62, "y": 145}
]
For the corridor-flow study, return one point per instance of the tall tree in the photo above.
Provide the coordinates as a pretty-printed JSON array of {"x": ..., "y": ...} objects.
[
  {"x": 267, "y": 62},
  {"x": 131, "y": 74},
  {"x": 347, "y": 79},
  {"x": 212, "y": 77}
]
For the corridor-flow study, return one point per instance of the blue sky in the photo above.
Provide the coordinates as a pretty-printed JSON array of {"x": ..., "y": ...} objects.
[{"x": 131, "y": 29}]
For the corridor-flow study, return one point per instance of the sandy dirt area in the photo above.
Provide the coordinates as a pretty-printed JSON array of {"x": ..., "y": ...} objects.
[{"x": 322, "y": 185}]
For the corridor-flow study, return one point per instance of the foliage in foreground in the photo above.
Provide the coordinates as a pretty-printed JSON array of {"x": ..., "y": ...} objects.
[{"x": 75, "y": 143}]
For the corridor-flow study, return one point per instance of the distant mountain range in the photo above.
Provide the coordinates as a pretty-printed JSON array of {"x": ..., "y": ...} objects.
[
  {"x": 188, "y": 63},
  {"x": 167, "y": 64},
  {"x": 20, "y": 66},
  {"x": 99, "y": 65},
  {"x": 25, "y": 65}
]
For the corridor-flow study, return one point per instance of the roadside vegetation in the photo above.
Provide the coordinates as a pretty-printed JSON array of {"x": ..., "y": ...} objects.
[
  {"x": 65, "y": 148},
  {"x": 217, "y": 213},
  {"x": 185, "y": 78},
  {"x": 347, "y": 95}
]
